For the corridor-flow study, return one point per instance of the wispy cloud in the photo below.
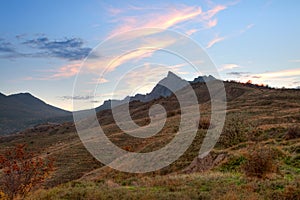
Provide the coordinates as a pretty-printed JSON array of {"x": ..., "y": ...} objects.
[
  {"x": 114, "y": 11},
  {"x": 288, "y": 77},
  {"x": 166, "y": 18},
  {"x": 248, "y": 27},
  {"x": 76, "y": 97},
  {"x": 158, "y": 17},
  {"x": 229, "y": 66},
  {"x": 212, "y": 12},
  {"x": 218, "y": 39},
  {"x": 43, "y": 47},
  {"x": 214, "y": 41},
  {"x": 112, "y": 57},
  {"x": 211, "y": 23},
  {"x": 68, "y": 48},
  {"x": 278, "y": 74},
  {"x": 99, "y": 80},
  {"x": 160, "y": 20},
  {"x": 268, "y": 75},
  {"x": 6, "y": 47},
  {"x": 191, "y": 32},
  {"x": 152, "y": 73},
  {"x": 239, "y": 74},
  {"x": 66, "y": 71}
]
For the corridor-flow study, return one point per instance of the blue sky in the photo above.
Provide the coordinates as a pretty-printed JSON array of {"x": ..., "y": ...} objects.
[{"x": 43, "y": 44}]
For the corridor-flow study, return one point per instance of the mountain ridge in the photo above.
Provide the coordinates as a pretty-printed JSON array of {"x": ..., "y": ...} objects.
[
  {"x": 163, "y": 88},
  {"x": 22, "y": 110}
]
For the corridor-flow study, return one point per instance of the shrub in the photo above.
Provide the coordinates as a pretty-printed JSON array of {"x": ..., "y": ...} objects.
[
  {"x": 234, "y": 131},
  {"x": 204, "y": 123},
  {"x": 293, "y": 133},
  {"x": 259, "y": 162},
  {"x": 21, "y": 171}
]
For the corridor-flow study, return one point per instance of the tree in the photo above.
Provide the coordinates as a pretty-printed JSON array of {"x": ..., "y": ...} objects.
[{"x": 22, "y": 170}]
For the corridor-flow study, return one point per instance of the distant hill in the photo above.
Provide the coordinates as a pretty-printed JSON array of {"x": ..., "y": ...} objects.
[{"x": 19, "y": 111}]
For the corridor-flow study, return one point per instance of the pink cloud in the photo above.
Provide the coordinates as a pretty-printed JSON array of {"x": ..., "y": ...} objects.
[
  {"x": 66, "y": 71},
  {"x": 212, "y": 12},
  {"x": 158, "y": 20},
  {"x": 211, "y": 23},
  {"x": 191, "y": 32},
  {"x": 166, "y": 18},
  {"x": 229, "y": 66},
  {"x": 214, "y": 41},
  {"x": 278, "y": 74}
]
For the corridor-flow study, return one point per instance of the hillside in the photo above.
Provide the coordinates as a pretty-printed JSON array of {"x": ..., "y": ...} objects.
[
  {"x": 259, "y": 117},
  {"x": 19, "y": 111}
]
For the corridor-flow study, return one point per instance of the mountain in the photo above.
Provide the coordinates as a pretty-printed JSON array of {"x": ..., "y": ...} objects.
[
  {"x": 202, "y": 79},
  {"x": 163, "y": 88},
  {"x": 19, "y": 111}
]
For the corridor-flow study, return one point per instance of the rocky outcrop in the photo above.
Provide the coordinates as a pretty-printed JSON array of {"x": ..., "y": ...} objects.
[{"x": 204, "y": 163}]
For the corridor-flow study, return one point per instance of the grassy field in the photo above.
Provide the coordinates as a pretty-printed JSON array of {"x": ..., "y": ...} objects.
[{"x": 261, "y": 132}]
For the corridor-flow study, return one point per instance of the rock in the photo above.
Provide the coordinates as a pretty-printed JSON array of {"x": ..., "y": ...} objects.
[{"x": 204, "y": 163}]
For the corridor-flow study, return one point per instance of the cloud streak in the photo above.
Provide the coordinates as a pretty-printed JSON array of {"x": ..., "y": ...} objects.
[
  {"x": 218, "y": 39},
  {"x": 69, "y": 48},
  {"x": 239, "y": 74},
  {"x": 77, "y": 97},
  {"x": 289, "y": 77},
  {"x": 166, "y": 18},
  {"x": 214, "y": 41},
  {"x": 279, "y": 74},
  {"x": 6, "y": 47},
  {"x": 42, "y": 47},
  {"x": 66, "y": 71},
  {"x": 229, "y": 66}
]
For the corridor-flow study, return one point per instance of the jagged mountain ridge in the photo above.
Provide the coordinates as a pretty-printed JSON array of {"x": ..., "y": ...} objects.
[
  {"x": 23, "y": 110},
  {"x": 163, "y": 88}
]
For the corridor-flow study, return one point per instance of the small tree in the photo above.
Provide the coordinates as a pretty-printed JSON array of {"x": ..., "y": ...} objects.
[{"x": 21, "y": 171}]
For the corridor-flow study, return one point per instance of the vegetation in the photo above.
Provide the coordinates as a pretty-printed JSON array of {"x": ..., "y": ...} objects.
[
  {"x": 235, "y": 131},
  {"x": 259, "y": 162},
  {"x": 293, "y": 133},
  {"x": 21, "y": 171}
]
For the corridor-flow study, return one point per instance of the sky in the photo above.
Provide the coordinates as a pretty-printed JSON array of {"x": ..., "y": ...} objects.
[{"x": 44, "y": 46}]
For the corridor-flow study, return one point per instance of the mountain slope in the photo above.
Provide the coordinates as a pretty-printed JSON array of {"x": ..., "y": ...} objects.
[{"x": 19, "y": 111}]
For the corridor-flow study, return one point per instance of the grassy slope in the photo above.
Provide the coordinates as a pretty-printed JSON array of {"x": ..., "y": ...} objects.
[{"x": 270, "y": 112}]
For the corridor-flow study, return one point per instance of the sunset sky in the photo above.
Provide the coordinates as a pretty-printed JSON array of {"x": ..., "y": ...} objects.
[{"x": 43, "y": 44}]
